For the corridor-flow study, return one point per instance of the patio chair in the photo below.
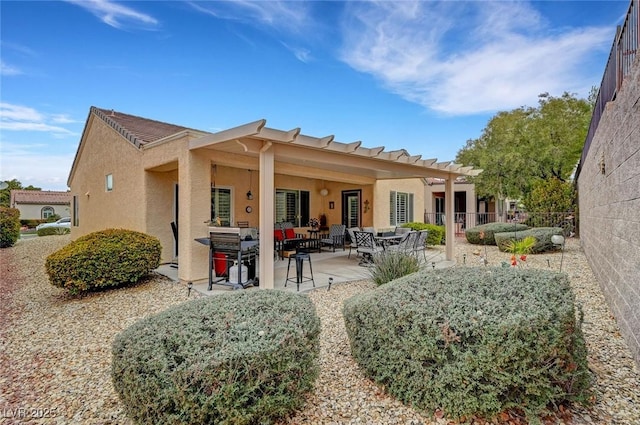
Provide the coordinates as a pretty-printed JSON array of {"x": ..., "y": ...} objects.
[
  {"x": 335, "y": 236},
  {"x": 406, "y": 244},
  {"x": 367, "y": 246},
  {"x": 420, "y": 243},
  {"x": 352, "y": 236}
]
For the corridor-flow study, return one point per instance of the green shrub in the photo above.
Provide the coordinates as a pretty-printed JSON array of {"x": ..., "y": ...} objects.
[
  {"x": 48, "y": 231},
  {"x": 109, "y": 258},
  {"x": 245, "y": 357},
  {"x": 9, "y": 226},
  {"x": 542, "y": 236},
  {"x": 472, "y": 341},
  {"x": 474, "y": 234},
  {"x": 436, "y": 235},
  {"x": 519, "y": 246},
  {"x": 389, "y": 265}
]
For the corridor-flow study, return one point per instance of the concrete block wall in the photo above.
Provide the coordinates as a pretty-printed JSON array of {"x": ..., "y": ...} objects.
[{"x": 609, "y": 201}]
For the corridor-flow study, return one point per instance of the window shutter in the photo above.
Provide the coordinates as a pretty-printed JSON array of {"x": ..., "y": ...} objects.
[{"x": 392, "y": 208}]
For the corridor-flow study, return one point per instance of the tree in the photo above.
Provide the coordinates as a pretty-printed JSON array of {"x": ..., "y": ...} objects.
[
  {"x": 5, "y": 194},
  {"x": 519, "y": 147},
  {"x": 552, "y": 195}
]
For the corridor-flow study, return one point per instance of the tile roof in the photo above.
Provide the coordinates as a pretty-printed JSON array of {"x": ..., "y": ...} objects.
[
  {"x": 45, "y": 197},
  {"x": 137, "y": 129}
]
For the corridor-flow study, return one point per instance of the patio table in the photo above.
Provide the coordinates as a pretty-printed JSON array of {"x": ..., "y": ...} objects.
[{"x": 387, "y": 240}]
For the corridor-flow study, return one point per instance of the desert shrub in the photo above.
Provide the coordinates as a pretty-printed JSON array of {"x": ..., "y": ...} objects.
[
  {"x": 246, "y": 357},
  {"x": 542, "y": 236},
  {"x": 30, "y": 223},
  {"x": 519, "y": 246},
  {"x": 109, "y": 258},
  {"x": 436, "y": 235},
  {"x": 390, "y": 265},
  {"x": 474, "y": 234},
  {"x": 9, "y": 226},
  {"x": 48, "y": 231},
  {"x": 472, "y": 341}
]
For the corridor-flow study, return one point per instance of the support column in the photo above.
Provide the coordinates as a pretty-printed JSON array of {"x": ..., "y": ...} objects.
[
  {"x": 267, "y": 208},
  {"x": 449, "y": 211},
  {"x": 194, "y": 177}
]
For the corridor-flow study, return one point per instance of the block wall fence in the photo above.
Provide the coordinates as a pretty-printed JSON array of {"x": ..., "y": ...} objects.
[{"x": 609, "y": 202}]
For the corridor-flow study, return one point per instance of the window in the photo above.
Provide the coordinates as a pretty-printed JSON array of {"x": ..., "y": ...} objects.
[
  {"x": 221, "y": 208},
  {"x": 108, "y": 182},
  {"x": 76, "y": 220},
  {"x": 401, "y": 208},
  {"x": 292, "y": 206},
  {"x": 47, "y": 212}
]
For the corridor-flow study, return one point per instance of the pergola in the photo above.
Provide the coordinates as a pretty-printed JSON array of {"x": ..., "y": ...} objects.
[{"x": 313, "y": 157}]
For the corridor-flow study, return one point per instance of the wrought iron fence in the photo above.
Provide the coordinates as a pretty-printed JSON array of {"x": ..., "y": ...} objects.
[
  {"x": 621, "y": 57},
  {"x": 565, "y": 220}
]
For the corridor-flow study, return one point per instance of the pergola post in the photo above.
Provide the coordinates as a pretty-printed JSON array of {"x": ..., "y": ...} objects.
[
  {"x": 449, "y": 211},
  {"x": 267, "y": 208}
]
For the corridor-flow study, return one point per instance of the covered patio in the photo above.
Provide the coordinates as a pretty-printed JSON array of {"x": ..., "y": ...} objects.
[
  {"x": 329, "y": 269},
  {"x": 272, "y": 154}
]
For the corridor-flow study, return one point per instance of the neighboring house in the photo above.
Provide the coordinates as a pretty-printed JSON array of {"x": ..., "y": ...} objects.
[
  {"x": 469, "y": 209},
  {"x": 136, "y": 173},
  {"x": 608, "y": 180},
  {"x": 41, "y": 204}
]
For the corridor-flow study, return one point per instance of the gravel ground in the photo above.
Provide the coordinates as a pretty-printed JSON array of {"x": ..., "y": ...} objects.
[{"x": 55, "y": 350}]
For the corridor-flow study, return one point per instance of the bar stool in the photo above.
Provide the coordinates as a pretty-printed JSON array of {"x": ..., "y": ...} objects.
[{"x": 300, "y": 278}]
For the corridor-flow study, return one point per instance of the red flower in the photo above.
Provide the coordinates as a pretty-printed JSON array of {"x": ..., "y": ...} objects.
[{"x": 523, "y": 258}]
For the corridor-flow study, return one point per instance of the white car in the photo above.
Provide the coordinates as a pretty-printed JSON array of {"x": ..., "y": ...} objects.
[{"x": 63, "y": 223}]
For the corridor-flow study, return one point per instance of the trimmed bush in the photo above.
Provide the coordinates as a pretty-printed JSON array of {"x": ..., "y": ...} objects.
[
  {"x": 472, "y": 341},
  {"x": 48, "y": 231},
  {"x": 541, "y": 234},
  {"x": 245, "y": 357},
  {"x": 9, "y": 226},
  {"x": 389, "y": 265},
  {"x": 436, "y": 235},
  {"x": 473, "y": 234},
  {"x": 109, "y": 258}
]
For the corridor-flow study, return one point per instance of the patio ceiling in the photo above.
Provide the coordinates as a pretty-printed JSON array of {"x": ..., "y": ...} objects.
[{"x": 298, "y": 154}]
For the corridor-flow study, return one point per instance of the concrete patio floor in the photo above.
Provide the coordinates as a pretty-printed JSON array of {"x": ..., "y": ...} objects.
[{"x": 327, "y": 264}]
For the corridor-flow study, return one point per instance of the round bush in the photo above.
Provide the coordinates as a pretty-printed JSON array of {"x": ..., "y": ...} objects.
[
  {"x": 472, "y": 341},
  {"x": 9, "y": 226},
  {"x": 48, "y": 231},
  {"x": 109, "y": 258},
  {"x": 488, "y": 230},
  {"x": 246, "y": 357},
  {"x": 541, "y": 234},
  {"x": 435, "y": 236}
]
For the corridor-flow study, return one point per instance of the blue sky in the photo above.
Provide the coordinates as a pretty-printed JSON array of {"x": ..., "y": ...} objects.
[{"x": 421, "y": 75}]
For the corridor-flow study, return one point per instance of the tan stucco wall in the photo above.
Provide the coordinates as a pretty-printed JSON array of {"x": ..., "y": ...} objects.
[
  {"x": 609, "y": 201},
  {"x": 381, "y": 206},
  {"x": 103, "y": 151},
  {"x": 34, "y": 212}
]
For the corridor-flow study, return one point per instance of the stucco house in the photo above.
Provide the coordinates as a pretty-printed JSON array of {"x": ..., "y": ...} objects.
[
  {"x": 40, "y": 204},
  {"x": 137, "y": 173}
]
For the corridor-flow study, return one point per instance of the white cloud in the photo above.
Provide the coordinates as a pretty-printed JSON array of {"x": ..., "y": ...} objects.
[
  {"x": 29, "y": 164},
  {"x": 9, "y": 70},
  {"x": 117, "y": 15},
  {"x": 467, "y": 57},
  {"x": 291, "y": 16},
  {"x": 24, "y": 118}
]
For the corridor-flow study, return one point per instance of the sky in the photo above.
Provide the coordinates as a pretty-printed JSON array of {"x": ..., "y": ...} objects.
[{"x": 425, "y": 76}]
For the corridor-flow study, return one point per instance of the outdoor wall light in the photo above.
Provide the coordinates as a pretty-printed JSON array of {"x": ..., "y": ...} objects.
[
  {"x": 366, "y": 205},
  {"x": 249, "y": 194},
  {"x": 324, "y": 192}
]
